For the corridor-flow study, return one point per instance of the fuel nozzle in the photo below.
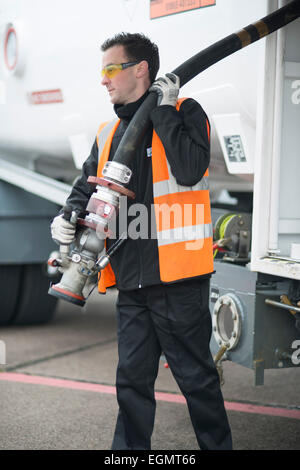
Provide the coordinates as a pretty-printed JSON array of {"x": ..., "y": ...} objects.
[{"x": 82, "y": 263}]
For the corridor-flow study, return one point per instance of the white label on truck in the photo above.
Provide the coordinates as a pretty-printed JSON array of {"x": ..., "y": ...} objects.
[{"x": 235, "y": 149}]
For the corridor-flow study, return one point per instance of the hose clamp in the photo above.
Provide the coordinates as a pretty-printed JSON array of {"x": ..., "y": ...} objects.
[{"x": 117, "y": 172}]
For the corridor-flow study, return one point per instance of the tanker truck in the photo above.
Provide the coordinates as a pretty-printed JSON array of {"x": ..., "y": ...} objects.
[{"x": 52, "y": 104}]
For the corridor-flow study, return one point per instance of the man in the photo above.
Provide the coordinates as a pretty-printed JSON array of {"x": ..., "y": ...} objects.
[{"x": 163, "y": 283}]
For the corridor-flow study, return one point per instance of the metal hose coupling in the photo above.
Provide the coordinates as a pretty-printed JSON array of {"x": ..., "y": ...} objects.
[{"x": 81, "y": 261}]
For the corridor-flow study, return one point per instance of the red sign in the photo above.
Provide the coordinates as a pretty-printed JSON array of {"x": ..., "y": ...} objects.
[
  {"x": 160, "y": 8},
  {"x": 45, "y": 97}
]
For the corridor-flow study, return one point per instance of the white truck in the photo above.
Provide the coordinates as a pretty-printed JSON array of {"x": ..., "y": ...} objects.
[{"x": 52, "y": 103}]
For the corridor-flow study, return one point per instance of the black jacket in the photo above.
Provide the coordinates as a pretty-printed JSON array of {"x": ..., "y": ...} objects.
[{"x": 185, "y": 140}]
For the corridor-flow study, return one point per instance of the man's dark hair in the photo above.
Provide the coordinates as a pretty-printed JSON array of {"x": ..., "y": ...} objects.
[{"x": 137, "y": 48}]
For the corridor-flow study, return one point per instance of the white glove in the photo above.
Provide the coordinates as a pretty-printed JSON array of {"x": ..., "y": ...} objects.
[
  {"x": 62, "y": 231},
  {"x": 167, "y": 88}
]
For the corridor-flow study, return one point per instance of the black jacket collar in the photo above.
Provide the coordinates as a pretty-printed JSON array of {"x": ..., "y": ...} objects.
[{"x": 126, "y": 112}]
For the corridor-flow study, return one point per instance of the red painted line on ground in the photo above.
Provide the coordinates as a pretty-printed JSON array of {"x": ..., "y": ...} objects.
[
  {"x": 263, "y": 410},
  {"x": 51, "y": 382},
  {"x": 160, "y": 396}
]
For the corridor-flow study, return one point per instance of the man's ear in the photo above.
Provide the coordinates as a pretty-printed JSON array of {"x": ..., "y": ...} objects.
[{"x": 142, "y": 69}]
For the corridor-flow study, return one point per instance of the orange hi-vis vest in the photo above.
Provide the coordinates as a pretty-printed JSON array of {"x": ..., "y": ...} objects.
[{"x": 182, "y": 214}]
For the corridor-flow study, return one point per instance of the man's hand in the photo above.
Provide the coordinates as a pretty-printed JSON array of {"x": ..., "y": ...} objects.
[
  {"x": 167, "y": 88},
  {"x": 62, "y": 231}
]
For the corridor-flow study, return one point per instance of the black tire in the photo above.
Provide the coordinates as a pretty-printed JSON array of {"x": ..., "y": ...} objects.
[
  {"x": 32, "y": 303},
  {"x": 10, "y": 280}
]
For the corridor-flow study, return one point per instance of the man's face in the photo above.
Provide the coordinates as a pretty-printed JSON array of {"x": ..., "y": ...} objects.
[{"x": 123, "y": 87}]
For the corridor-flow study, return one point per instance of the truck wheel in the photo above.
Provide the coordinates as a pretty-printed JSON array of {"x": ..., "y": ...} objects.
[
  {"x": 10, "y": 279},
  {"x": 35, "y": 305},
  {"x": 26, "y": 298}
]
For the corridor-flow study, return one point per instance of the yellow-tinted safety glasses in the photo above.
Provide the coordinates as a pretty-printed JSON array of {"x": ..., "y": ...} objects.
[{"x": 112, "y": 70}]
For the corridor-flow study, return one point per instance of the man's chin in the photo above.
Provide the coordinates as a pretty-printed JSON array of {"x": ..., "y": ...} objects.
[{"x": 113, "y": 100}]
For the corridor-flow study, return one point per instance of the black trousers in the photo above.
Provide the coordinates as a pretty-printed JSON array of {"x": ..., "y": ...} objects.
[{"x": 174, "y": 319}]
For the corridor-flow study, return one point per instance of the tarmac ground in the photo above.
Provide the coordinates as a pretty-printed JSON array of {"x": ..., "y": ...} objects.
[{"x": 58, "y": 390}]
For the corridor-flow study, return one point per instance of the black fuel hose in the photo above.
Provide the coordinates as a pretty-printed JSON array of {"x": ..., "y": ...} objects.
[{"x": 197, "y": 64}]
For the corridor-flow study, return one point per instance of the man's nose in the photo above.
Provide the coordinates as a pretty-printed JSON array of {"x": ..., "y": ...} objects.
[{"x": 105, "y": 80}]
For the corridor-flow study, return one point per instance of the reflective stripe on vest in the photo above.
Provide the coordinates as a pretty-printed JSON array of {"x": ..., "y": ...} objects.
[
  {"x": 184, "y": 234},
  {"x": 161, "y": 188},
  {"x": 104, "y": 138},
  {"x": 184, "y": 240}
]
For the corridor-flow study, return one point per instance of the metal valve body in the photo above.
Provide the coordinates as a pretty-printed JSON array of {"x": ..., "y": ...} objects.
[{"x": 81, "y": 266}]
